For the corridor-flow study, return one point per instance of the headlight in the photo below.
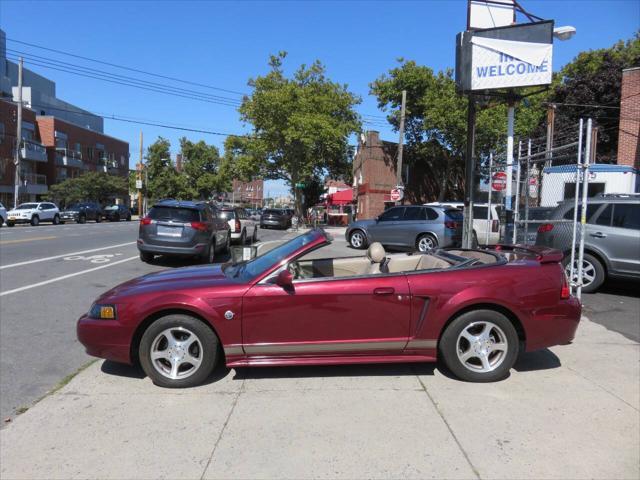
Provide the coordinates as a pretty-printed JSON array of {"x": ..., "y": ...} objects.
[{"x": 102, "y": 312}]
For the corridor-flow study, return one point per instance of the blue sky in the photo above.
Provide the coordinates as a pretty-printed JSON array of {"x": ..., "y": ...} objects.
[{"x": 223, "y": 44}]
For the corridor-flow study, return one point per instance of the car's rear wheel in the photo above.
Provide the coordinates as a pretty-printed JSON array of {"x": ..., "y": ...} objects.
[
  {"x": 115, "y": 218},
  {"x": 254, "y": 239},
  {"x": 146, "y": 257},
  {"x": 480, "y": 346},
  {"x": 358, "y": 239},
  {"x": 593, "y": 272},
  {"x": 11, "y": 224},
  {"x": 178, "y": 351},
  {"x": 210, "y": 254},
  {"x": 243, "y": 237},
  {"x": 98, "y": 218},
  {"x": 82, "y": 219},
  {"x": 35, "y": 220},
  {"x": 426, "y": 243}
]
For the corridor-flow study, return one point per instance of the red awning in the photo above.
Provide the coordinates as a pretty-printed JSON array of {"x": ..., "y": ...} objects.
[{"x": 343, "y": 197}]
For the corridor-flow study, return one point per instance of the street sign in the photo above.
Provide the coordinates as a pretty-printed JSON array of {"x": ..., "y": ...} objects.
[
  {"x": 499, "y": 181},
  {"x": 138, "y": 184},
  {"x": 299, "y": 185},
  {"x": 397, "y": 194}
]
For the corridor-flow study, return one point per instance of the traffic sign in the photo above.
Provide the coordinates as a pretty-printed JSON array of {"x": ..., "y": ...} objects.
[
  {"x": 499, "y": 181},
  {"x": 397, "y": 194}
]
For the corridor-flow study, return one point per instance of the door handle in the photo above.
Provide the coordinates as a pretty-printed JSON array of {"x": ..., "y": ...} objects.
[
  {"x": 384, "y": 291},
  {"x": 599, "y": 235}
]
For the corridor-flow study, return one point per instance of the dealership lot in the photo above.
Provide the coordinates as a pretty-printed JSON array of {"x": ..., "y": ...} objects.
[{"x": 375, "y": 421}]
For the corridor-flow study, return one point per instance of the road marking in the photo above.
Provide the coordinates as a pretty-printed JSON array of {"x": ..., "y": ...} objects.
[
  {"x": 29, "y": 262},
  {"x": 101, "y": 258},
  {"x": 64, "y": 277},
  {"x": 7, "y": 242}
]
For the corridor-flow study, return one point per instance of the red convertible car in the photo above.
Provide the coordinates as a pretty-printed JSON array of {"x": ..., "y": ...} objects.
[{"x": 475, "y": 309}]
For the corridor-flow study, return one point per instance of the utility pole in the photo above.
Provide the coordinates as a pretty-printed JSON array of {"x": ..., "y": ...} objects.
[
  {"x": 594, "y": 144},
  {"x": 467, "y": 225},
  {"x": 400, "y": 145},
  {"x": 551, "y": 120},
  {"x": 18, "y": 138},
  {"x": 140, "y": 179}
]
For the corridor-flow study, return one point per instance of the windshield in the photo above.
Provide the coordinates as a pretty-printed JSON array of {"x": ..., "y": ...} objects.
[
  {"x": 27, "y": 206},
  {"x": 74, "y": 206},
  {"x": 253, "y": 268},
  {"x": 454, "y": 214},
  {"x": 227, "y": 214},
  {"x": 184, "y": 215}
]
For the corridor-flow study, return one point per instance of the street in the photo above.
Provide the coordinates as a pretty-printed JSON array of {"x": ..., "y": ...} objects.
[{"x": 49, "y": 276}]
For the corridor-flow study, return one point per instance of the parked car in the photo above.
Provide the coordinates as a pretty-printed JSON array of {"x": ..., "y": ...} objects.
[
  {"x": 81, "y": 212},
  {"x": 243, "y": 228},
  {"x": 115, "y": 213},
  {"x": 481, "y": 226},
  {"x": 253, "y": 214},
  {"x": 283, "y": 308},
  {"x": 3, "y": 215},
  {"x": 611, "y": 239},
  {"x": 275, "y": 217},
  {"x": 418, "y": 227},
  {"x": 176, "y": 228},
  {"x": 34, "y": 213},
  {"x": 527, "y": 234}
]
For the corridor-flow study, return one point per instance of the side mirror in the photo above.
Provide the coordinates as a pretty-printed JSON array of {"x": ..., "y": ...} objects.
[{"x": 285, "y": 279}]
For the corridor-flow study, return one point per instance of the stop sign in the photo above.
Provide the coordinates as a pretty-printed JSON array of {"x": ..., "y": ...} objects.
[
  {"x": 396, "y": 194},
  {"x": 499, "y": 181}
]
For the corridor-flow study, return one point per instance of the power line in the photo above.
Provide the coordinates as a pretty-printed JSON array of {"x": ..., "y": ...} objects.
[
  {"x": 581, "y": 105},
  {"x": 166, "y": 77}
]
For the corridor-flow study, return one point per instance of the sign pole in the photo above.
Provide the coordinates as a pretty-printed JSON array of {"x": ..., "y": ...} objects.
[
  {"x": 510, "y": 128},
  {"x": 467, "y": 226},
  {"x": 486, "y": 238},
  {"x": 401, "y": 144}
]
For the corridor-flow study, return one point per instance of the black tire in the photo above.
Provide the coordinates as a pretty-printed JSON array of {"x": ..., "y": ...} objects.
[
  {"x": 82, "y": 219},
  {"x": 426, "y": 242},
  {"x": 591, "y": 265},
  {"x": 56, "y": 219},
  {"x": 448, "y": 346},
  {"x": 98, "y": 218},
  {"x": 243, "y": 237},
  {"x": 254, "y": 239},
  {"x": 147, "y": 257},
  {"x": 35, "y": 221},
  {"x": 227, "y": 245},
  {"x": 210, "y": 253},
  {"x": 358, "y": 239},
  {"x": 11, "y": 224},
  {"x": 128, "y": 218},
  {"x": 116, "y": 218},
  {"x": 62, "y": 222},
  {"x": 208, "y": 354}
]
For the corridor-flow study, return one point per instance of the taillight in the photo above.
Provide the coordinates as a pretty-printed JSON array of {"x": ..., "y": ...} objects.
[
  {"x": 199, "y": 226},
  {"x": 451, "y": 225},
  {"x": 494, "y": 225},
  {"x": 238, "y": 226},
  {"x": 545, "y": 227},
  {"x": 565, "y": 291},
  {"x": 145, "y": 221}
]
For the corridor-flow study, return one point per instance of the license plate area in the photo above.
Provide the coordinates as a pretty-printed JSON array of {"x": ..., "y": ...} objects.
[{"x": 166, "y": 231}]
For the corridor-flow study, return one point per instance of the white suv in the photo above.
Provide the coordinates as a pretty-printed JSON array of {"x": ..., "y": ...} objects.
[
  {"x": 33, "y": 213},
  {"x": 243, "y": 228},
  {"x": 3, "y": 215},
  {"x": 480, "y": 224}
]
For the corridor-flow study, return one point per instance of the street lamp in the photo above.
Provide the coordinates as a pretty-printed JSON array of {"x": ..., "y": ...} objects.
[{"x": 564, "y": 33}]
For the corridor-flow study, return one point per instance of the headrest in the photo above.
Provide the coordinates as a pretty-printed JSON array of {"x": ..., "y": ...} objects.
[{"x": 376, "y": 252}]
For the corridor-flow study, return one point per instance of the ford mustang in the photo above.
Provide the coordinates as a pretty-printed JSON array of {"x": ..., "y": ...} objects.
[{"x": 474, "y": 309}]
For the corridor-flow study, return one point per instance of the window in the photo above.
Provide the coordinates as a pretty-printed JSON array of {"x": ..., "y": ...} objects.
[
  {"x": 626, "y": 215},
  {"x": 392, "y": 215},
  {"x": 90, "y": 153},
  {"x": 594, "y": 189},
  {"x": 432, "y": 214},
  {"x": 591, "y": 209},
  {"x": 1, "y": 132},
  {"x": 78, "y": 147},
  {"x": 605, "y": 216},
  {"x": 174, "y": 214},
  {"x": 413, "y": 214},
  {"x": 480, "y": 213}
]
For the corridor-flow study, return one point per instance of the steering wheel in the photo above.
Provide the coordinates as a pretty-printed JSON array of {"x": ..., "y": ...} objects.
[{"x": 294, "y": 270}]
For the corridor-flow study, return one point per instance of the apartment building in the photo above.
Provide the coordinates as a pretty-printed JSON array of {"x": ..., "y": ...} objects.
[{"x": 247, "y": 192}]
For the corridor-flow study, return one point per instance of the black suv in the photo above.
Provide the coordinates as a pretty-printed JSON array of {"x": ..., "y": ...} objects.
[
  {"x": 179, "y": 228},
  {"x": 115, "y": 213},
  {"x": 81, "y": 212}
]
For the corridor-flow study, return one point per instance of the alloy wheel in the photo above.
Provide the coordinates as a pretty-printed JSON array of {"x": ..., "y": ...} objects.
[
  {"x": 426, "y": 243},
  {"x": 482, "y": 347},
  {"x": 176, "y": 353},
  {"x": 588, "y": 272},
  {"x": 357, "y": 239}
]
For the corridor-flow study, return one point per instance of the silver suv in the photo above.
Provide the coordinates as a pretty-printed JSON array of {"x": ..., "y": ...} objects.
[{"x": 611, "y": 240}]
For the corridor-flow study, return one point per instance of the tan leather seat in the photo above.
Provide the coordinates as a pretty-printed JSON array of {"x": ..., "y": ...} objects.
[{"x": 378, "y": 259}]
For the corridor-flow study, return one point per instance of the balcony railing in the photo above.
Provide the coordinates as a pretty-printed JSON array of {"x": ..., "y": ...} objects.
[
  {"x": 32, "y": 150},
  {"x": 33, "y": 179},
  {"x": 69, "y": 158},
  {"x": 106, "y": 164}
]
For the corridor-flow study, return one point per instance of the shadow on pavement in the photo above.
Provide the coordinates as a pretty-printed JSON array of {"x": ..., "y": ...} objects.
[
  {"x": 134, "y": 371},
  {"x": 626, "y": 288},
  {"x": 540, "y": 360}
]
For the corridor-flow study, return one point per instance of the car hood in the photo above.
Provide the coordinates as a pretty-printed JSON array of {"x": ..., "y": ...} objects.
[
  {"x": 209, "y": 276},
  {"x": 18, "y": 212},
  {"x": 362, "y": 223}
]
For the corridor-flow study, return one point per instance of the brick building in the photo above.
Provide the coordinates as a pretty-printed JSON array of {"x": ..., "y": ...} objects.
[
  {"x": 628, "y": 135},
  {"x": 247, "y": 192},
  {"x": 374, "y": 174},
  {"x": 53, "y": 150}
]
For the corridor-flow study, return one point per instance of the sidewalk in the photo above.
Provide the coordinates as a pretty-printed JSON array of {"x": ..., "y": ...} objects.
[{"x": 567, "y": 412}]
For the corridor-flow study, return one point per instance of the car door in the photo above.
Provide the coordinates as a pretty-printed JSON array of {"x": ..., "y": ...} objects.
[
  {"x": 409, "y": 227},
  {"x": 47, "y": 211},
  {"x": 383, "y": 229},
  {"x": 616, "y": 233},
  {"x": 335, "y": 316}
]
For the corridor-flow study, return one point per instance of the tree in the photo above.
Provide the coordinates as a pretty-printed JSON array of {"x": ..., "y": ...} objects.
[
  {"x": 301, "y": 125},
  {"x": 91, "y": 186},
  {"x": 163, "y": 180},
  {"x": 595, "y": 78},
  {"x": 436, "y": 125},
  {"x": 202, "y": 169}
]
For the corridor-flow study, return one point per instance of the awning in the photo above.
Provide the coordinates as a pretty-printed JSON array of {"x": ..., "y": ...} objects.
[{"x": 343, "y": 197}]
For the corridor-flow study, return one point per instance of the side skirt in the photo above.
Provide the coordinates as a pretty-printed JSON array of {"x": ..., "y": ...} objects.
[{"x": 235, "y": 361}]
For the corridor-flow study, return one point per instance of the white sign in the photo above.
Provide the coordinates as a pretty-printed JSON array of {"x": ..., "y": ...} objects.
[
  {"x": 508, "y": 64},
  {"x": 483, "y": 14},
  {"x": 138, "y": 184}
]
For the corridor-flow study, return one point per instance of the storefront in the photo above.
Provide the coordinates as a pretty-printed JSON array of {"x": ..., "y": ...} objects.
[{"x": 339, "y": 207}]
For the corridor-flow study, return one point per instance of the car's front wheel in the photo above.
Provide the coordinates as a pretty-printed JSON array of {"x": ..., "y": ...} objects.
[
  {"x": 593, "y": 272},
  {"x": 426, "y": 243},
  {"x": 82, "y": 219},
  {"x": 98, "y": 218},
  {"x": 178, "y": 351},
  {"x": 480, "y": 346},
  {"x": 357, "y": 239}
]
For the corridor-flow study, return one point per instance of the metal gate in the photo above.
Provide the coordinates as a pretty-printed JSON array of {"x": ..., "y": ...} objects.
[{"x": 543, "y": 176}]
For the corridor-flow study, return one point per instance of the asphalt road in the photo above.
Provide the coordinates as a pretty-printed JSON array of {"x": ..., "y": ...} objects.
[
  {"x": 49, "y": 276},
  {"x": 616, "y": 306}
]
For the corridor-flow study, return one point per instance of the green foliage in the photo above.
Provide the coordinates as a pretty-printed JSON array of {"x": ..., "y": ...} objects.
[
  {"x": 301, "y": 126},
  {"x": 91, "y": 186},
  {"x": 161, "y": 174},
  {"x": 202, "y": 169}
]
